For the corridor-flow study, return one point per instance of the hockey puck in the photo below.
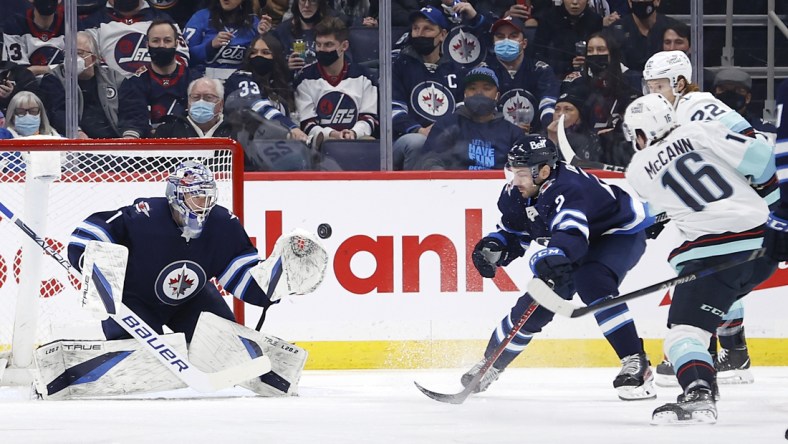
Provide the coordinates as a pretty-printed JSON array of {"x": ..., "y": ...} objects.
[{"x": 324, "y": 231}]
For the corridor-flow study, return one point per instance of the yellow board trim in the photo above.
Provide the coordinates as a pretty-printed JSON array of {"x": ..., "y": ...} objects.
[{"x": 340, "y": 355}]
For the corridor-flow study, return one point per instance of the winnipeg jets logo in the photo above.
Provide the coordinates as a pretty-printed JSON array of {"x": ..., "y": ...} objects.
[
  {"x": 179, "y": 282},
  {"x": 337, "y": 110},
  {"x": 431, "y": 100},
  {"x": 463, "y": 47},
  {"x": 518, "y": 106},
  {"x": 143, "y": 208},
  {"x": 131, "y": 52}
]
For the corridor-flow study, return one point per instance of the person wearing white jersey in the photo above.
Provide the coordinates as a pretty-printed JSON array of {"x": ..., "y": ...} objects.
[
  {"x": 700, "y": 174},
  {"x": 669, "y": 73}
]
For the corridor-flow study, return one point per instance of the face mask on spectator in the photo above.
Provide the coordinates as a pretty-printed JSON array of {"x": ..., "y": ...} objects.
[
  {"x": 480, "y": 105},
  {"x": 161, "y": 56},
  {"x": 327, "y": 58},
  {"x": 314, "y": 19},
  {"x": 733, "y": 99},
  {"x": 643, "y": 10},
  {"x": 45, "y": 7},
  {"x": 27, "y": 125},
  {"x": 81, "y": 67},
  {"x": 261, "y": 65},
  {"x": 202, "y": 111},
  {"x": 423, "y": 45},
  {"x": 126, "y": 5},
  {"x": 598, "y": 63},
  {"x": 507, "y": 50}
]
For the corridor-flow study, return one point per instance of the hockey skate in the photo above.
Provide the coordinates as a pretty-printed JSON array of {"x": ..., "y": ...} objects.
[
  {"x": 733, "y": 366},
  {"x": 488, "y": 378},
  {"x": 635, "y": 381},
  {"x": 666, "y": 376},
  {"x": 697, "y": 406}
]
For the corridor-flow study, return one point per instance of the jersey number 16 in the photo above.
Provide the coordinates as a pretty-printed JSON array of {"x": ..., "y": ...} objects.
[{"x": 696, "y": 181}]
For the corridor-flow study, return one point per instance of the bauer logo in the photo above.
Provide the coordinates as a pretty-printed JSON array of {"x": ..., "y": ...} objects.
[{"x": 179, "y": 281}]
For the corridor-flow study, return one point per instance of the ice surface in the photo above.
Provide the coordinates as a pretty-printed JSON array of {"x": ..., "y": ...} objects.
[{"x": 524, "y": 406}]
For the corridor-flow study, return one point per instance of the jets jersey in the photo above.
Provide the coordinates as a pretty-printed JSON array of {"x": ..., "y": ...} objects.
[
  {"x": 24, "y": 43},
  {"x": 781, "y": 152},
  {"x": 122, "y": 41},
  {"x": 422, "y": 94},
  {"x": 572, "y": 209},
  {"x": 147, "y": 97},
  {"x": 533, "y": 81},
  {"x": 218, "y": 63},
  {"x": 241, "y": 85},
  {"x": 164, "y": 270},
  {"x": 700, "y": 175},
  {"x": 347, "y": 101}
]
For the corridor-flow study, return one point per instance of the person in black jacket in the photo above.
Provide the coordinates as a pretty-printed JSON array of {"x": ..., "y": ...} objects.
[
  {"x": 206, "y": 113},
  {"x": 13, "y": 79},
  {"x": 560, "y": 29}
]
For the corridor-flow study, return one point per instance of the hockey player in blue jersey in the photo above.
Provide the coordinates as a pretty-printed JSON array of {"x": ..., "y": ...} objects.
[
  {"x": 176, "y": 245},
  {"x": 776, "y": 236},
  {"x": 596, "y": 236},
  {"x": 218, "y": 37}
]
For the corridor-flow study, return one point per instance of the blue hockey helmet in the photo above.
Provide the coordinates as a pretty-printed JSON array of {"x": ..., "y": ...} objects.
[
  {"x": 532, "y": 151},
  {"x": 191, "y": 192}
]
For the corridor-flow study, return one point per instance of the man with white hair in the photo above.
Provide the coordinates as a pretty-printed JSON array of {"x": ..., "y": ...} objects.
[{"x": 205, "y": 116}]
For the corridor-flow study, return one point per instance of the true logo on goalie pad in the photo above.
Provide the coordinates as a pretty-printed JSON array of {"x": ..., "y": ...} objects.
[{"x": 180, "y": 281}]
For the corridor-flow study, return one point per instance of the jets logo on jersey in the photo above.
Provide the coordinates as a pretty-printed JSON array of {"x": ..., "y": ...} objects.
[
  {"x": 143, "y": 208},
  {"x": 431, "y": 100},
  {"x": 179, "y": 282},
  {"x": 131, "y": 52},
  {"x": 337, "y": 110},
  {"x": 463, "y": 46},
  {"x": 111, "y": 92},
  {"x": 229, "y": 54},
  {"x": 46, "y": 55},
  {"x": 518, "y": 106}
]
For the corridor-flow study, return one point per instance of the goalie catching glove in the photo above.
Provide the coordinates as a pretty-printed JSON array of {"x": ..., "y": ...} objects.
[{"x": 495, "y": 250}]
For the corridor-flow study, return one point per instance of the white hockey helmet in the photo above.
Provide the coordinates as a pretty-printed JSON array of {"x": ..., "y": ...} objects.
[
  {"x": 191, "y": 192},
  {"x": 667, "y": 65},
  {"x": 652, "y": 116}
]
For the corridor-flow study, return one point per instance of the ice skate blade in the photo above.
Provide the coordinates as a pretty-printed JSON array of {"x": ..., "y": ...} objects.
[
  {"x": 735, "y": 377},
  {"x": 666, "y": 380},
  {"x": 698, "y": 417},
  {"x": 629, "y": 393}
]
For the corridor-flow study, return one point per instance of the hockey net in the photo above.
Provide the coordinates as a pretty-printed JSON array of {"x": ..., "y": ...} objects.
[{"x": 37, "y": 298}]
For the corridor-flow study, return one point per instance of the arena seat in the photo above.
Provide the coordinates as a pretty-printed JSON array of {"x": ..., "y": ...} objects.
[{"x": 353, "y": 155}]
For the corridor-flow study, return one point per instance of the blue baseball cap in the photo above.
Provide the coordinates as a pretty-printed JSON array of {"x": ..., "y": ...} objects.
[
  {"x": 432, "y": 14},
  {"x": 480, "y": 74}
]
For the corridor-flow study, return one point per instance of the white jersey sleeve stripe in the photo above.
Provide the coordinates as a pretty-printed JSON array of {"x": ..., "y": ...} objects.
[
  {"x": 96, "y": 231},
  {"x": 236, "y": 265}
]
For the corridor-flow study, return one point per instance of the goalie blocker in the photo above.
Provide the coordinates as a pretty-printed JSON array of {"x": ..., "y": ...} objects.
[{"x": 69, "y": 369}]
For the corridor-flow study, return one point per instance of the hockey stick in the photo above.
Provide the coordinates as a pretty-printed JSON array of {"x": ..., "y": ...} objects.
[
  {"x": 145, "y": 335},
  {"x": 459, "y": 398},
  {"x": 571, "y": 158},
  {"x": 543, "y": 294}
]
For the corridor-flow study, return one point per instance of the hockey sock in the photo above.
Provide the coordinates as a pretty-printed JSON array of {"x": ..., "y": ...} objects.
[
  {"x": 713, "y": 346},
  {"x": 513, "y": 348},
  {"x": 619, "y": 330},
  {"x": 731, "y": 330},
  {"x": 691, "y": 361}
]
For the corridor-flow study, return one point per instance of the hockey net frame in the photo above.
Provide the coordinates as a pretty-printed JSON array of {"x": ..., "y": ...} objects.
[{"x": 95, "y": 175}]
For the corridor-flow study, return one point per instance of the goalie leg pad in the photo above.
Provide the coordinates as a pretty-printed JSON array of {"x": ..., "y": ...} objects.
[
  {"x": 219, "y": 343},
  {"x": 69, "y": 369}
]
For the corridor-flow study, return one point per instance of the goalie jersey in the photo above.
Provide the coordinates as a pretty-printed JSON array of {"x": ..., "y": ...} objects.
[
  {"x": 24, "y": 43},
  {"x": 164, "y": 270},
  {"x": 572, "y": 209},
  {"x": 700, "y": 174}
]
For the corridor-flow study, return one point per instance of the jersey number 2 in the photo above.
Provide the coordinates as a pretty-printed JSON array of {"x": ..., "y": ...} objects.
[{"x": 697, "y": 181}]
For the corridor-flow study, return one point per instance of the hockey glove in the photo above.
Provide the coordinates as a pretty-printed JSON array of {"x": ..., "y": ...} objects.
[
  {"x": 552, "y": 266},
  {"x": 775, "y": 238},
  {"x": 497, "y": 249}
]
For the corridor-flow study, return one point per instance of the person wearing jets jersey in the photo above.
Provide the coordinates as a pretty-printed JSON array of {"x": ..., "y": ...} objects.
[
  {"x": 35, "y": 37},
  {"x": 669, "y": 73},
  {"x": 700, "y": 174}
]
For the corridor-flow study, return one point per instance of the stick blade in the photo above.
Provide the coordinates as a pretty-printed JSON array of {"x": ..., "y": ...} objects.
[
  {"x": 547, "y": 298},
  {"x": 456, "y": 398}
]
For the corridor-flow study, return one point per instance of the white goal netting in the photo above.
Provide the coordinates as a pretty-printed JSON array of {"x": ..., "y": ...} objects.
[{"x": 94, "y": 176}]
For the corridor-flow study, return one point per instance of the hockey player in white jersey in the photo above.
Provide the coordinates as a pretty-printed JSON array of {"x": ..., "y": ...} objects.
[
  {"x": 669, "y": 73},
  {"x": 700, "y": 174}
]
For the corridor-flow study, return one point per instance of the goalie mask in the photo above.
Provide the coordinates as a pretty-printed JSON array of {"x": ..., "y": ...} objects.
[
  {"x": 651, "y": 117},
  {"x": 191, "y": 192}
]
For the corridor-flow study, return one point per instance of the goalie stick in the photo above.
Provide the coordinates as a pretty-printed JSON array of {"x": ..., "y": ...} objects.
[
  {"x": 545, "y": 295},
  {"x": 572, "y": 159},
  {"x": 459, "y": 398},
  {"x": 147, "y": 337}
]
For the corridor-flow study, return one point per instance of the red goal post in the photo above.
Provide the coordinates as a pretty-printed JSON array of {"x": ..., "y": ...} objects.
[{"x": 37, "y": 300}]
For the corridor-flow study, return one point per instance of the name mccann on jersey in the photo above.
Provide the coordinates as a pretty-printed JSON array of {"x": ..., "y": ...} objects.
[{"x": 667, "y": 154}]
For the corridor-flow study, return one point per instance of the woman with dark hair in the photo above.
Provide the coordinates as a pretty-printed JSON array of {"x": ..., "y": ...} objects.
[
  {"x": 219, "y": 35},
  {"x": 306, "y": 14},
  {"x": 611, "y": 88},
  {"x": 264, "y": 85}
]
